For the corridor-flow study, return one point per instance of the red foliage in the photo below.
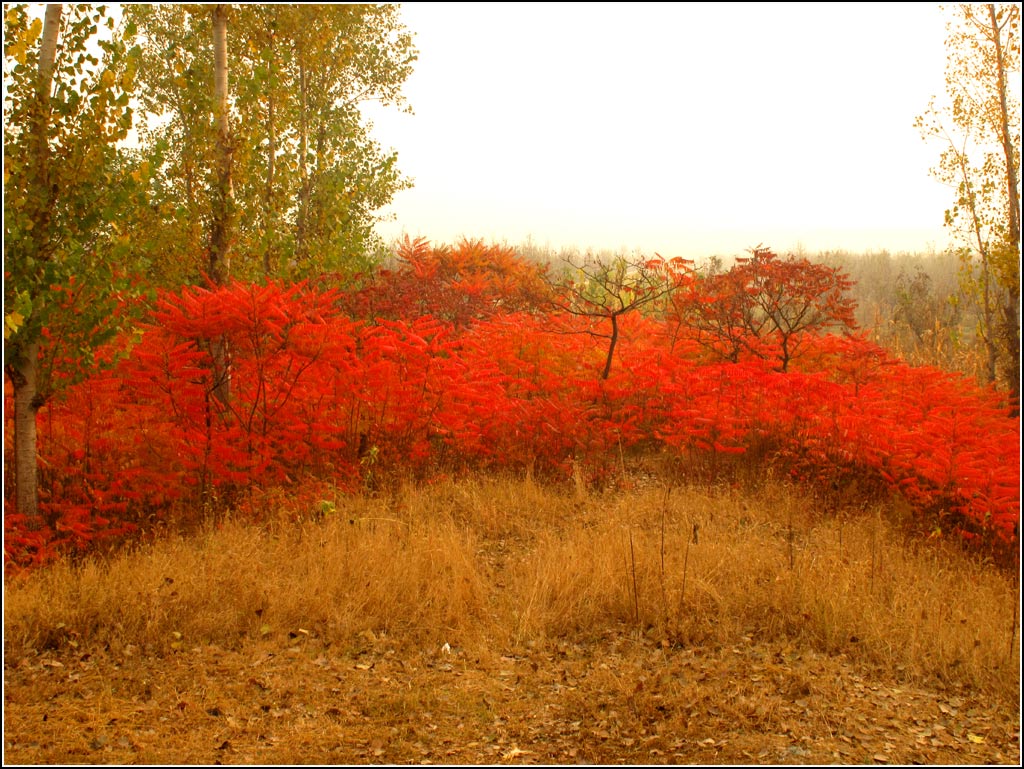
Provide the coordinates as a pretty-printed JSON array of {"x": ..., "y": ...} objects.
[
  {"x": 468, "y": 282},
  {"x": 322, "y": 404}
]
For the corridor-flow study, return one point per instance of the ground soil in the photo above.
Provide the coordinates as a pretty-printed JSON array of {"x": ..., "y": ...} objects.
[{"x": 619, "y": 698}]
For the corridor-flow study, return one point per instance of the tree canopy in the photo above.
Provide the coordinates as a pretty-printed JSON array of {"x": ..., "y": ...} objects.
[{"x": 308, "y": 179}]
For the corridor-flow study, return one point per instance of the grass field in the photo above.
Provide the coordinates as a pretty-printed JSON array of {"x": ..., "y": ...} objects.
[{"x": 501, "y": 620}]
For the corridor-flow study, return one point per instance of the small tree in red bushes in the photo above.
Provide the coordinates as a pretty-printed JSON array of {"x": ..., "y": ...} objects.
[
  {"x": 766, "y": 306},
  {"x": 607, "y": 290}
]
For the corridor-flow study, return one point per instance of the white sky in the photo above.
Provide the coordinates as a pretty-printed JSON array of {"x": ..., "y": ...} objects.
[{"x": 685, "y": 129}]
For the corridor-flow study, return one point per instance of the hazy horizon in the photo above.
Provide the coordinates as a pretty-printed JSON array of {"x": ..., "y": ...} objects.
[{"x": 683, "y": 129}]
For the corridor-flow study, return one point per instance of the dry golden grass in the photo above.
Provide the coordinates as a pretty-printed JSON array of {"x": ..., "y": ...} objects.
[
  {"x": 508, "y": 564},
  {"x": 699, "y": 568}
]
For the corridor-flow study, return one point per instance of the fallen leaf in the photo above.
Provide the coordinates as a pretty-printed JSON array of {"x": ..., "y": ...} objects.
[{"x": 514, "y": 752}]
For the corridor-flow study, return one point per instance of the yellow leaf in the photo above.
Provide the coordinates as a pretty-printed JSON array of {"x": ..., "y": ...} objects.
[
  {"x": 107, "y": 79},
  {"x": 33, "y": 31},
  {"x": 975, "y": 738},
  {"x": 12, "y": 322}
]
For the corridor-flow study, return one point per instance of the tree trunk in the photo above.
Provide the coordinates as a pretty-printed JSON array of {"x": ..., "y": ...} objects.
[
  {"x": 1011, "y": 320},
  {"x": 612, "y": 341},
  {"x": 987, "y": 332},
  {"x": 23, "y": 362},
  {"x": 220, "y": 232},
  {"x": 22, "y": 372},
  {"x": 303, "y": 213},
  {"x": 1004, "y": 130},
  {"x": 43, "y": 197},
  {"x": 269, "y": 212},
  {"x": 223, "y": 194},
  {"x": 48, "y": 46}
]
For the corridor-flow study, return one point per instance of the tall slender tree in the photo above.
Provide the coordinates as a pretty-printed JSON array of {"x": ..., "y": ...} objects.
[
  {"x": 980, "y": 133},
  {"x": 223, "y": 197},
  {"x": 65, "y": 109},
  {"x": 223, "y": 190}
]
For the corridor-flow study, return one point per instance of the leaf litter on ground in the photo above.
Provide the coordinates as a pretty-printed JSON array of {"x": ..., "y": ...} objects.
[{"x": 617, "y": 699}]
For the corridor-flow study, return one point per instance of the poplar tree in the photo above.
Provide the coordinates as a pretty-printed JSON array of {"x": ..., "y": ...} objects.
[
  {"x": 980, "y": 133},
  {"x": 68, "y": 79}
]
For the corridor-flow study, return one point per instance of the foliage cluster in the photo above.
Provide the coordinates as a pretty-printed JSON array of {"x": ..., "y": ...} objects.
[
  {"x": 308, "y": 179},
  {"x": 326, "y": 401},
  {"x": 277, "y": 176},
  {"x": 469, "y": 282}
]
